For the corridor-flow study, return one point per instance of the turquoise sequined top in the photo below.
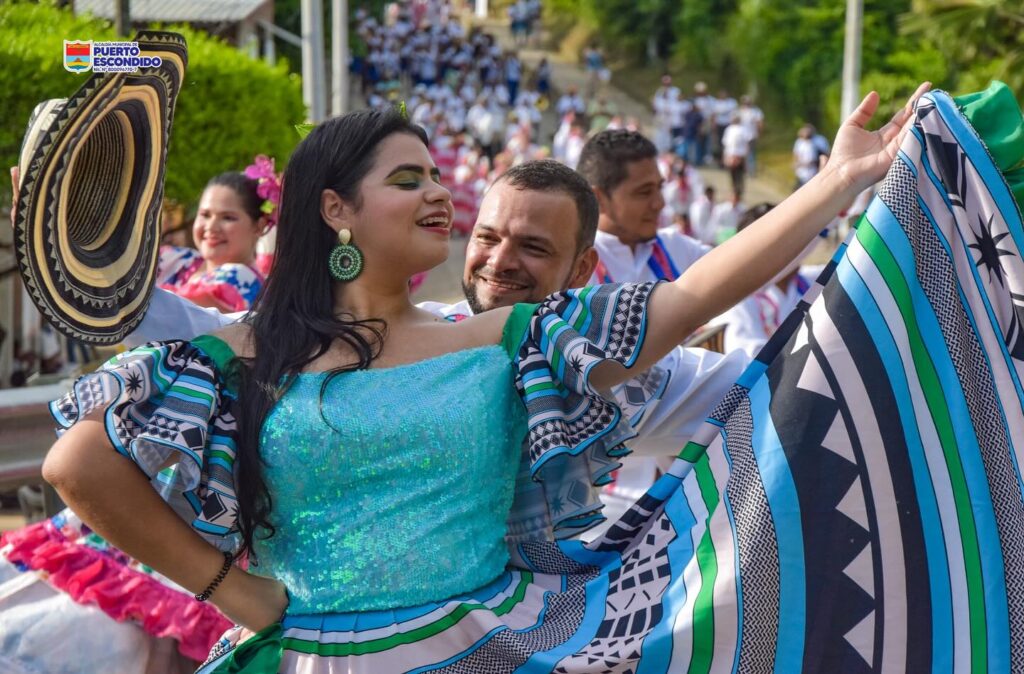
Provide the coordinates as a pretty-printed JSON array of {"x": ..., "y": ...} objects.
[
  {"x": 402, "y": 496},
  {"x": 398, "y": 487}
]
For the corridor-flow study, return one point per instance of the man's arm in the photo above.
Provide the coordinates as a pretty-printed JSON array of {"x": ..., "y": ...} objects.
[
  {"x": 697, "y": 381},
  {"x": 171, "y": 317}
]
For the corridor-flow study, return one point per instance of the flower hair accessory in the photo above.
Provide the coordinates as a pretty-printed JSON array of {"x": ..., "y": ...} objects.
[{"x": 268, "y": 186}]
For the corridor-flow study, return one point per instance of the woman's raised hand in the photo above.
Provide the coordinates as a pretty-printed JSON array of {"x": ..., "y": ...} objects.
[{"x": 861, "y": 157}]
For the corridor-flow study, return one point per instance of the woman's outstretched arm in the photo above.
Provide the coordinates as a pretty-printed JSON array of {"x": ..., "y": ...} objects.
[
  {"x": 753, "y": 257},
  {"x": 110, "y": 493}
]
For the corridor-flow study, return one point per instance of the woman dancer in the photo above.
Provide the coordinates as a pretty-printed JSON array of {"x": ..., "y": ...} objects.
[
  {"x": 59, "y": 578},
  {"x": 221, "y": 270},
  {"x": 378, "y": 539}
]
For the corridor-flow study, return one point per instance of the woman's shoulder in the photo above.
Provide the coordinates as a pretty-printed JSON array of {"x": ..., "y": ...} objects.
[
  {"x": 237, "y": 337},
  {"x": 176, "y": 264},
  {"x": 486, "y": 328}
]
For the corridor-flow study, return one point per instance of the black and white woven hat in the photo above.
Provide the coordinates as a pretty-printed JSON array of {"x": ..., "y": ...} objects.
[{"x": 87, "y": 231}]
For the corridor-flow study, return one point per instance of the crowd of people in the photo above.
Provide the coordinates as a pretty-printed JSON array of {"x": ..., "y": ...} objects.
[
  {"x": 705, "y": 129},
  {"x": 480, "y": 107},
  {"x": 605, "y": 206}
]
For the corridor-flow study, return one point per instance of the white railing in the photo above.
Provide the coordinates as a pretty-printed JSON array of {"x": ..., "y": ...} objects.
[{"x": 26, "y": 432}]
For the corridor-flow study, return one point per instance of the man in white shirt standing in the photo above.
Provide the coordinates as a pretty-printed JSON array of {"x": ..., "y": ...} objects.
[
  {"x": 700, "y": 216},
  {"x": 622, "y": 168},
  {"x": 533, "y": 237},
  {"x": 736, "y": 143},
  {"x": 724, "y": 108},
  {"x": 661, "y": 104},
  {"x": 809, "y": 151},
  {"x": 752, "y": 118}
]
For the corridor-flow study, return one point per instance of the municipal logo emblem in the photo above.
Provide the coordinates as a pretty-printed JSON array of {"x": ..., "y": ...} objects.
[{"x": 78, "y": 55}]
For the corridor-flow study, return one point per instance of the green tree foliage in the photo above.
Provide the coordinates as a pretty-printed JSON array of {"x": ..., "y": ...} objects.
[
  {"x": 230, "y": 109},
  {"x": 699, "y": 29},
  {"x": 982, "y": 39},
  {"x": 805, "y": 35},
  {"x": 790, "y": 52}
]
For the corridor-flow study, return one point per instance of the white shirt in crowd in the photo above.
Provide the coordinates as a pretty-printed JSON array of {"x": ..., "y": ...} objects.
[
  {"x": 753, "y": 321},
  {"x": 806, "y": 154},
  {"x": 574, "y": 144},
  {"x": 700, "y": 219},
  {"x": 625, "y": 264},
  {"x": 706, "y": 105},
  {"x": 736, "y": 140},
  {"x": 513, "y": 69},
  {"x": 677, "y": 109},
  {"x": 724, "y": 217},
  {"x": 723, "y": 110},
  {"x": 661, "y": 103},
  {"x": 751, "y": 117},
  {"x": 679, "y": 395},
  {"x": 568, "y": 102}
]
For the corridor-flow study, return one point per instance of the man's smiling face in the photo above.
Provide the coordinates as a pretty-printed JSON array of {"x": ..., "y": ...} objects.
[{"x": 523, "y": 247}]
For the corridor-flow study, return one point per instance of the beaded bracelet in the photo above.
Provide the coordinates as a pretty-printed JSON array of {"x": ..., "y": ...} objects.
[{"x": 208, "y": 592}]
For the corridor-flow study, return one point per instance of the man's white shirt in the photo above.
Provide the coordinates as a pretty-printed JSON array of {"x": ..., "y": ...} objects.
[
  {"x": 736, "y": 141},
  {"x": 698, "y": 379},
  {"x": 625, "y": 264}
]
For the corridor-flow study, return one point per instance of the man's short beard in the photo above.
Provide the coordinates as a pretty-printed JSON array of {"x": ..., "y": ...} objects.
[{"x": 472, "y": 299}]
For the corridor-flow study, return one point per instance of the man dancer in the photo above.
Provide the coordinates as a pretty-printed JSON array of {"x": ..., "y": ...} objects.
[{"x": 621, "y": 167}]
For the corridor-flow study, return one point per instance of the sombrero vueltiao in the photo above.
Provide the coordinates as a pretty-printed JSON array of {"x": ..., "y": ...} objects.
[{"x": 87, "y": 231}]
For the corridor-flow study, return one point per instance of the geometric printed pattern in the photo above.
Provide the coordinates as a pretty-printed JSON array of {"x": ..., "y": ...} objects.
[
  {"x": 174, "y": 421},
  {"x": 879, "y": 431},
  {"x": 569, "y": 333},
  {"x": 51, "y": 244},
  {"x": 853, "y": 505}
]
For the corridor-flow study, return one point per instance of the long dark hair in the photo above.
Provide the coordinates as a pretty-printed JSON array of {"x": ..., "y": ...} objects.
[{"x": 293, "y": 320}]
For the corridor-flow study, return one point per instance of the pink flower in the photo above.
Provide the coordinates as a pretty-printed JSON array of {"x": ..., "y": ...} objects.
[
  {"x": 268, "y": 185},
  {"x": 262, "y": 167},
  {"x": 270, "y": 189}
]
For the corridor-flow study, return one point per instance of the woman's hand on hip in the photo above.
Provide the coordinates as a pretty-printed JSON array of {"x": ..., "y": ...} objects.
[{"x": 252, "y": 601}]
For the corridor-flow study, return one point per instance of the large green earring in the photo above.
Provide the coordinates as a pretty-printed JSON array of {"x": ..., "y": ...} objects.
[{"x": 346, "y": 261}]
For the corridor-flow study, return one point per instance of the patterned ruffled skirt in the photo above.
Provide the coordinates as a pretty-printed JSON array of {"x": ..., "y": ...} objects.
[{"x": 564, "y": 607}]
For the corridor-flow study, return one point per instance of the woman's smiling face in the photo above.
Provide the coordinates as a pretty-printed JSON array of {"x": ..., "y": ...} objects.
[
  {"x": 402, "y": 221},
  {"x": 223, "y": 232}
]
